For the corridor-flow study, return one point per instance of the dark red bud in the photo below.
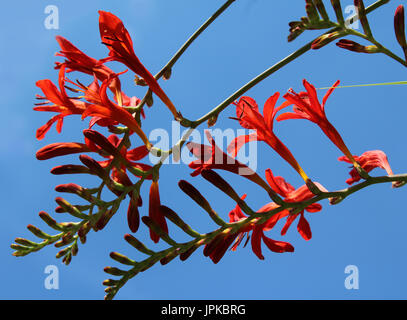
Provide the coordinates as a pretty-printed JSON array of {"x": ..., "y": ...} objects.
[{"x": 61, "y": 149}]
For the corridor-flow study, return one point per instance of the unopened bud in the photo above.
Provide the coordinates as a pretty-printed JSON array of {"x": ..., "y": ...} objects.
[
  {"x": 37, "y": 232},
  {"x": 399, "y": 26},
  {"x": 101, "y": 141},
  {"x": 356, "y": 47},
  {"x": 149, "y": 99},
  {"x": 139, "y": 81},
  {"x": 49, "y": 221},
  {"x": 134, "y": 242},
  {"x": 70, "y": 169},
  {"x": 122, "y": 259},
  {"x": 326, "y": 39},
  {"x": 311, "y": 10},
  {"x": 167, "y": 73},
  {"x": 61, "y": 149},
  {"x": 336, "y": 4}
]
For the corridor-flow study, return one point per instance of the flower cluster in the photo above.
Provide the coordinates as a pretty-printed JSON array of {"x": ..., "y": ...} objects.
[
  {"x": 119, "y": 115},
  {"x": 115, "y": 120},
  {"x": 305, "y": 105}
]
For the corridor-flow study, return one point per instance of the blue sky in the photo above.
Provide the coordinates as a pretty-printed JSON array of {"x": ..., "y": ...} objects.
[{"x": 366, "y": 230}]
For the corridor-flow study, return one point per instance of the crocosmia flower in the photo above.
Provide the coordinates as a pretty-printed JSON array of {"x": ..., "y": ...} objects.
[
  {"x": 369, "y": 160},
  {"x": 249, "y": 117},
  {"x": 116, "y": 37},
  {"x": 307, "y": 106}
]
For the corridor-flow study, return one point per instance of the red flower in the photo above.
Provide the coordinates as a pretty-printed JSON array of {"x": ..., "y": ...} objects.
[
  {"x": 154, "y": 211},
  {"x": 56, "y": 101},
  {"x": 250, "y": 118},
  {"x": 76, "y": 60},
  {"x": 258, "y": 230},
  {"x": 290, "y": 194},
  {"x": 307, "y": 106},
  {"x": 368, "y": 161},
  {"x": 212, "y": 157},
  {"x": 108, "y": 109},
  {"x": 116, "y": 37}
]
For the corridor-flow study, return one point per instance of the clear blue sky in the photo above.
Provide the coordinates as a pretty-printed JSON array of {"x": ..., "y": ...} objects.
[{"x": 366, "y": 230}]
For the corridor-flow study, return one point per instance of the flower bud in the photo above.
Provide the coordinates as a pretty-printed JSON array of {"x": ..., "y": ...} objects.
[
  {"x": 356, "y": 47},
  {"x": 321, "y": 8},
  {"x": 194, "y": 194},
  {"x": 325, "y": 39},
  {"x": 114, "y": 271},
  {"x": 399, "y": 26},
  {"x": 67, "y": 207},
  {"x": 104, "y": 219},
  {"x": 311, "y": 10},
  {"x": 133, "y": 215},
  {"x": 362, "y": 17},
  {"x": 61, "y": 149},
  {"x": 37, "y": 232},
  {"x": 49, "y": 221},
  {"x": 139, "y": 81},
  {"x": 101, "y": 141},
  {"x": 167, "y": 73},
  {"x": 94, "y": 166},
  {"x": 122, "y": 259},
  {"x": 175, "y": 218},
  {"x": 134, "y": 242},
  {"x": 336, "y": 4},
  {"x": 220, "y": 183},
  {"x": 70, "y": 169}
]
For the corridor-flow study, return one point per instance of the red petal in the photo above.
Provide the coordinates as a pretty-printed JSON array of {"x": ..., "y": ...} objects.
[{"x": 304, "y": 228}]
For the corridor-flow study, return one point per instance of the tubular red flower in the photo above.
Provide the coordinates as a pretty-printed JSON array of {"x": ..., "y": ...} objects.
[
  {"x": 108, "y": 109},
  {"x": 76, "y": 60},
  {"x": 290, "y": 194},
  {"x": 257, "y": 230},
  {"x": 307, "y": 106},
  {"x": 250, "y": 118},
  {"x": 154, "y": 211},
  {"x": 56, "y": 101},
  {"x": 116, "y": 37},
  {"x": 369, "y": 160}
]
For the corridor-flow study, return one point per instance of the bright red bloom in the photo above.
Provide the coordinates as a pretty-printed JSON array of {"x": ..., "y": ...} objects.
[
  {"x": 154, "y": 211},
  {"x": 56, "y": 101},
  {"x": 258, "y": 230},
  {"x": 116, "y": 37},
  {"x": 368, "y": 161},
  {"x": 306, "y": 106},
  {"x": 250, "y": 118},
  {"x": 290, "y": 194},
  {"x": 108, "y": 109},
  {"x": 76, "y": 60},
  {"x": 212, "y": 157}
]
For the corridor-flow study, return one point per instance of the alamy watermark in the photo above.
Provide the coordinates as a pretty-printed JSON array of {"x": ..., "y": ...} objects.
[
  {"x": 52, "y": 19},
  {"x": 352, "y": 280},
  {"x": 51, "y": 281}
]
